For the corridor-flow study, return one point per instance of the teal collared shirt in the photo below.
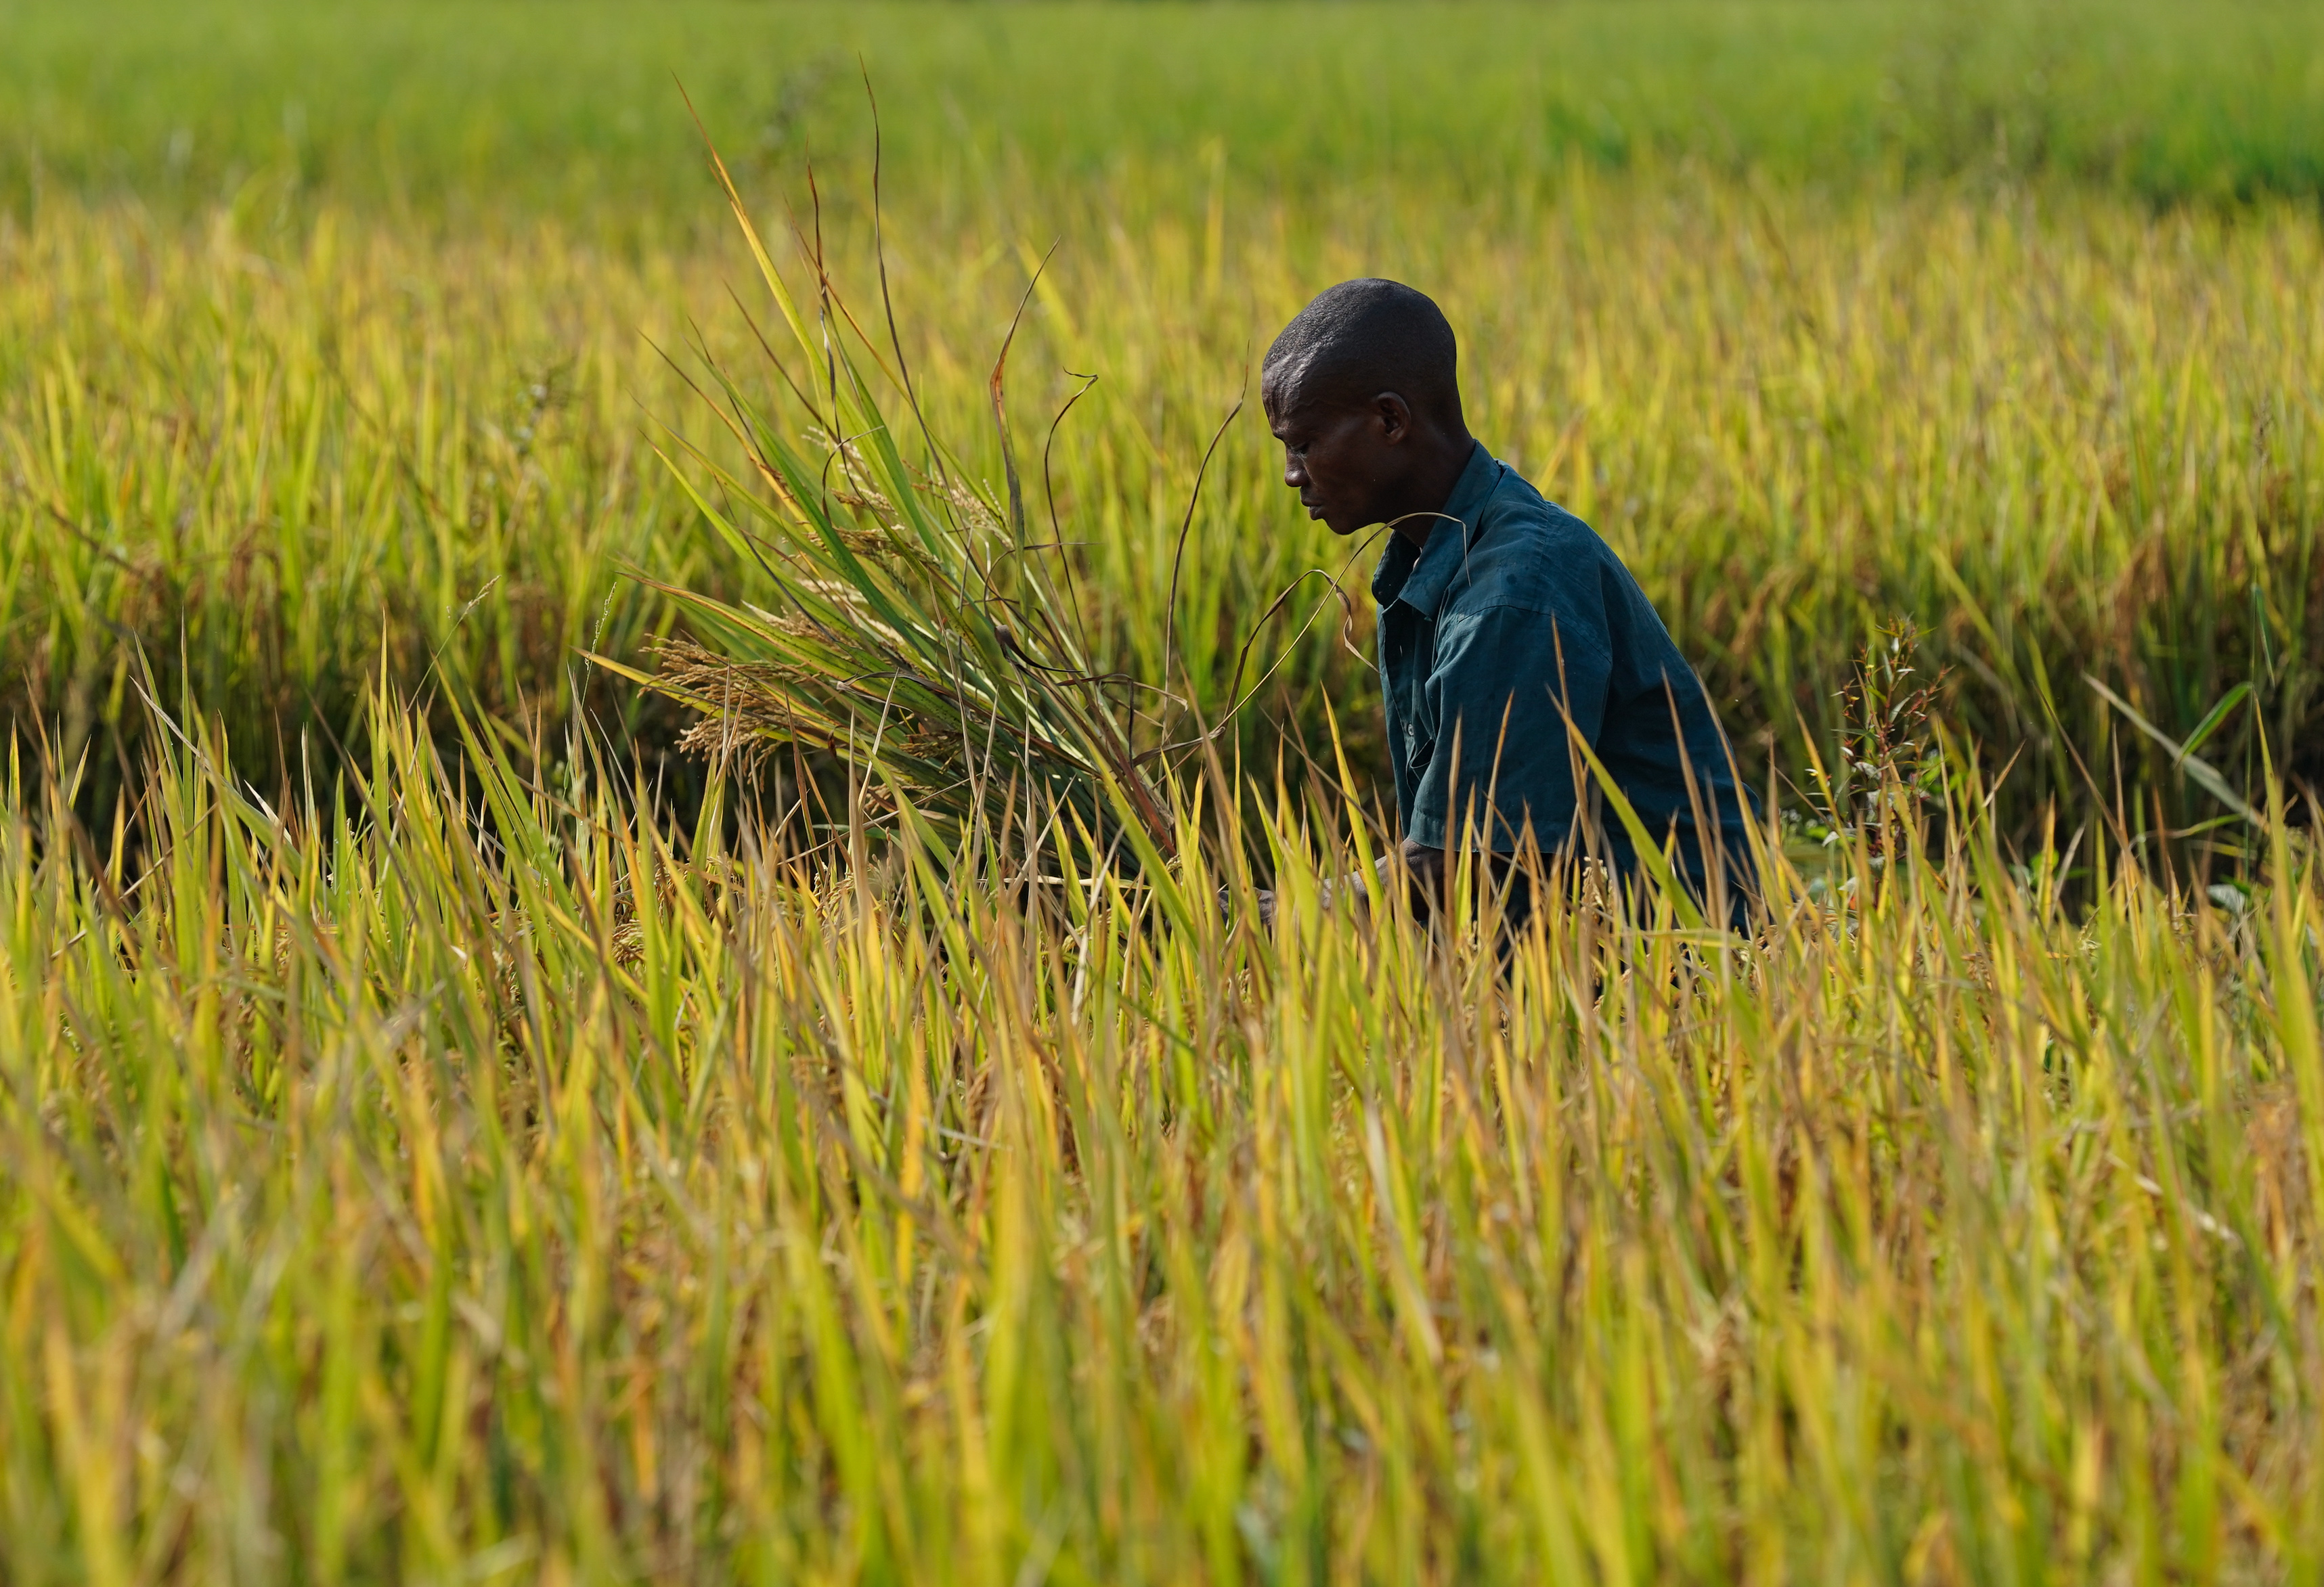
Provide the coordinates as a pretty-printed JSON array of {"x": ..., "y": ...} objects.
[{"x": 1515, "y": 606}]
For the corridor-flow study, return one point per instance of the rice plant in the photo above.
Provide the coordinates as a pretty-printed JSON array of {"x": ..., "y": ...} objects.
[
  {"x": 2016, "y": 422},
  {"x": 448, "y": 1134},
  {"x": 393, "y": 1195},
  {"x": 923, "y": 640}
]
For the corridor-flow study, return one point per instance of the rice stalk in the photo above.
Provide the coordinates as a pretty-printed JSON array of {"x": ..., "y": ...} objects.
[
  {"x": 388, "y": 1193},
  {"x": 922, "y": 641}
]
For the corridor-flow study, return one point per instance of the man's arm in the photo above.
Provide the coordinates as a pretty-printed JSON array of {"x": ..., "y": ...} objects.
[
  {"x": 1505, "y": 683},
  {"x": 1428, "y": 881},
  {"x": 1427, "y": 874},
  {"x": 1429, "y": 877}
]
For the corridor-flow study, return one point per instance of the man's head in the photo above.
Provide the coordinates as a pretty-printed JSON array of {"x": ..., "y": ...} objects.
[{"x": 1361, "y": 389}]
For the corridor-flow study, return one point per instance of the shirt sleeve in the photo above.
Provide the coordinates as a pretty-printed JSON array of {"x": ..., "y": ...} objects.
[{"x": 1501, "y": 759}]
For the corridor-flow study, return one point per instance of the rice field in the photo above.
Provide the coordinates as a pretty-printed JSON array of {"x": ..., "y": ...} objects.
[{"x": 453, "y": 1132}]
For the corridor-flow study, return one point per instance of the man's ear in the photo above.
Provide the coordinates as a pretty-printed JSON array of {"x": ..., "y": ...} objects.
[{"x": 1394, "y": 417}]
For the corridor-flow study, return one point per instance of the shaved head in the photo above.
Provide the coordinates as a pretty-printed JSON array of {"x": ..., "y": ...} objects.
[
  {"x": 1360, "y": 339},
  {"x": 1361, "y": 390}
]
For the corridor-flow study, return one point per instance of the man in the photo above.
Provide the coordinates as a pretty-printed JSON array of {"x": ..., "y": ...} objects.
[{"x": 1502, "y": 617}]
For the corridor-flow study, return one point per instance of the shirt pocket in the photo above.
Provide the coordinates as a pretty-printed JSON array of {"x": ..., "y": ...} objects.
[{"x": 1419, "y": 747}]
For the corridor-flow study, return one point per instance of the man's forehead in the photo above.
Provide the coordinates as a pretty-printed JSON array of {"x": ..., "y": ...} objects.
[
  {"x": 1286, "y": 400},
  {"x": 1284, "y": 382}
]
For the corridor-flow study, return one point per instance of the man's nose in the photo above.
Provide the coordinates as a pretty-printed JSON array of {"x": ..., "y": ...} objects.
[{"x": 1294, "y": 474}]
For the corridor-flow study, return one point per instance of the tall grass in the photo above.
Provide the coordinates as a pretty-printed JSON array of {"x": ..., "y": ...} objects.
[
  {"x": 389, "y": 1195},
  {"x": 368, "y": 380},
  {"x": 432, "y": 1149},
  {"x": 2063, "y": 435},
  {"x": 276, "y": 471}
]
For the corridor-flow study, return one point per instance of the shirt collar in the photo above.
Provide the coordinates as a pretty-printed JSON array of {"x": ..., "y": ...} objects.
[{"x": 1425, "y": 573}]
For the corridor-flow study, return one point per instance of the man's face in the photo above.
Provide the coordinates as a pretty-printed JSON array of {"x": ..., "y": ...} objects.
[{"x": 1344, "y": 461}]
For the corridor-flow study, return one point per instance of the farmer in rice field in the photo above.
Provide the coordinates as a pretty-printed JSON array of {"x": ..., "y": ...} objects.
[{"x": 1503, "y": 618}]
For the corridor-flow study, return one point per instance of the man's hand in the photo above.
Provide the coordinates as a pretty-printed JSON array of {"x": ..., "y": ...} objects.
[
  {"x": 1431, "y": 883},
  {"x": 1425, "y": 871},
  {"x": 1352, "y": 885},
  {"x": 1428, "y": 881}
]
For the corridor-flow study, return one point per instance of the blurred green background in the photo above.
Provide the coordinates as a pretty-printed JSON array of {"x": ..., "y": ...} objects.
[{"x": 469, "y": 112}]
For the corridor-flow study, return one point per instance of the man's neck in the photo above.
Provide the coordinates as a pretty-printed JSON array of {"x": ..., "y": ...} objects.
[{"x": 1432, "y": 489}]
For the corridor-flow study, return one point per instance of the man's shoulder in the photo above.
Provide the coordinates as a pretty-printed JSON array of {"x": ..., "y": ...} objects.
[
  {"x": 1515, "y": 500},
  {"x": 1528, "y": 551}
]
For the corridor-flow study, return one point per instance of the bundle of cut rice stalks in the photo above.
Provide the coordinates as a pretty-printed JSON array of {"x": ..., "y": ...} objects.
[{"x": 919, "y": 637}]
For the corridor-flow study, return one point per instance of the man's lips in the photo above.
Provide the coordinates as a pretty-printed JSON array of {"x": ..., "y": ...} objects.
[{"x": 1314, "y": 508}]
